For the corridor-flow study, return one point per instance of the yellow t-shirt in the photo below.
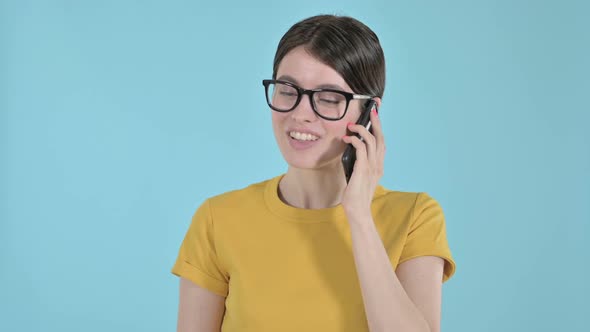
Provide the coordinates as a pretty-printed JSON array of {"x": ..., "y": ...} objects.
[{"x": 285, "y": 269}]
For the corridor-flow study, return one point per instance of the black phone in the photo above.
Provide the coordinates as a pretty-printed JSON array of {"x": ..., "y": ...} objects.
[{"x": 349, "y": 155}]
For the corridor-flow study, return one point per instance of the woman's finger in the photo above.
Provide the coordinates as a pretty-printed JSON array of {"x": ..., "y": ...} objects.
[
  {"x": 361, "y": 149},
  {"x": 368, "y": 140},
  {"x": 378, "y": 132}
]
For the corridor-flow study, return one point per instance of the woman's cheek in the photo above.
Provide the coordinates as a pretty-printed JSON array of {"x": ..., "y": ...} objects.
[{"x": 337, "y": 128}]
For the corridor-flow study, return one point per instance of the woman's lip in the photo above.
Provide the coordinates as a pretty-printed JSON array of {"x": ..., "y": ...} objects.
[
  {"x": 300, "y": 145},
  {"x": 303, "y": 131}
]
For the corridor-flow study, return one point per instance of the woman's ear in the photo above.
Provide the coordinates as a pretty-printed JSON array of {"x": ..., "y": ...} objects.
[{"x": 378, "y": 100}]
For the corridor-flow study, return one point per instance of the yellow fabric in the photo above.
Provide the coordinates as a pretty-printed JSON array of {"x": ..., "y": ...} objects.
[{"x": 283, "y": 268}]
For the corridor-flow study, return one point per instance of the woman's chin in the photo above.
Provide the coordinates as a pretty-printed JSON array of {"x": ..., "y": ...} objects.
[{"x": 309, "y": 163}]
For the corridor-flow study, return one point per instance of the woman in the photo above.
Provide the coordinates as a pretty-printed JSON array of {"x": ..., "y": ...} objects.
[{"x": 305, "y": 250}]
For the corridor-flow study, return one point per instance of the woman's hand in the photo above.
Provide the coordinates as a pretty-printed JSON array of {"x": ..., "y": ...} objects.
[{"x": 368, "y": 169}]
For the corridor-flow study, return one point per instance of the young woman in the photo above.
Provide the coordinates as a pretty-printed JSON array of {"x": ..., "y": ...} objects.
[{"x": 307, "y": 250}]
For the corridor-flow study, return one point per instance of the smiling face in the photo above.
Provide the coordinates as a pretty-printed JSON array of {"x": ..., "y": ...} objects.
[{"x": 302, "y": 69}]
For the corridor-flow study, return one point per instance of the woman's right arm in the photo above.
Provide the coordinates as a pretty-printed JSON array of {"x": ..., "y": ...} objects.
[{"x": 199, "y": 310}]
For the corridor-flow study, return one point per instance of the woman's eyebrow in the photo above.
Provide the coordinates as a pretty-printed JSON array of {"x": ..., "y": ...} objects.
[
  {"x": 288, "y": 79},
  {"x": 321, "y": 86},
  {"x": 331, "y": 86}
]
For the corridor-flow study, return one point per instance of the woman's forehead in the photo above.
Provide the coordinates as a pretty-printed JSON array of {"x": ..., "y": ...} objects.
[{"x": 305, "y": 70}]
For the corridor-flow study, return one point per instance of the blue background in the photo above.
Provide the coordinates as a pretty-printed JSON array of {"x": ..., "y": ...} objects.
[{"x": 118, "y": 118}]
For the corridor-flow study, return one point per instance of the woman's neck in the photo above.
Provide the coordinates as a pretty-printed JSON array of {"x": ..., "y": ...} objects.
[{"x": 313, "y": 188}]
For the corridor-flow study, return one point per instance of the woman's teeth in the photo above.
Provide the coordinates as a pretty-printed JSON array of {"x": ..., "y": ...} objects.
[{"x": 303, "y": 137}]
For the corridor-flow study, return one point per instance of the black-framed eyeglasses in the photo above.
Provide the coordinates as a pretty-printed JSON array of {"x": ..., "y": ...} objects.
[{"x": 329, "y": 104}]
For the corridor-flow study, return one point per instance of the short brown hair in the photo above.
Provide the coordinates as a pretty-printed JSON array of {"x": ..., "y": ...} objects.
[{"x": 343, "y": 43}]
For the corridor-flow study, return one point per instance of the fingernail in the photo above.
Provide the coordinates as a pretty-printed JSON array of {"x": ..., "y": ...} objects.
[
  {"x": 375, "y": 111},
  {"x": 343, "y": 137},
  {"x": 349, "y": 124}
]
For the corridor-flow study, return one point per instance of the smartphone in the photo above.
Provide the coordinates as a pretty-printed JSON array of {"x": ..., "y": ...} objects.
[{"x": 349, "y": 155}]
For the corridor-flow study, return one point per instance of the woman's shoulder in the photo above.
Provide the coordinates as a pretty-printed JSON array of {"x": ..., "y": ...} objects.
[
  {"x": 388, "y": 194},
  {"x": 410, "y": 199},
  {"x": 244, "y": 194}
]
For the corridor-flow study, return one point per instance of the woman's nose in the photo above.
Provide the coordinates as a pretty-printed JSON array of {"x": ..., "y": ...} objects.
[{"x": 304, "y": 110}]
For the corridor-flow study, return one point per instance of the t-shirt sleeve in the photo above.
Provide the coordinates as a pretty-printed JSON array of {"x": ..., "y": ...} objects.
[
  {"x": 197, "y": 258},
  {"x": 427, "y": 234}
]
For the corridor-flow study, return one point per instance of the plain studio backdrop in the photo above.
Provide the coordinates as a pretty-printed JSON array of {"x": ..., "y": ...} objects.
[{"x": 118, "y": 118}]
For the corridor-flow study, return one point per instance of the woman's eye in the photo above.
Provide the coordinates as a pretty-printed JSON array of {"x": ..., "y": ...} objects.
[
  {"x": 287, "y": 93},
  {"x": 329, "y": 101}
]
